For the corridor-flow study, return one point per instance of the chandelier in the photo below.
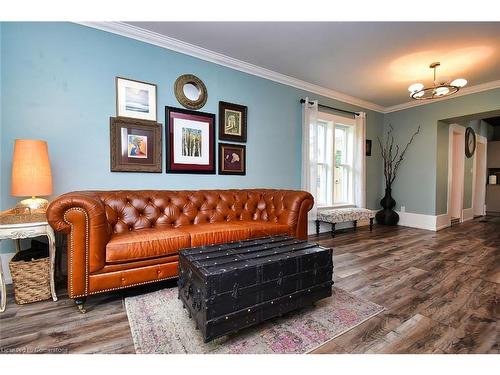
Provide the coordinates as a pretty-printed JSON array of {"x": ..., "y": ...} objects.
[{"x": 442, "y": 87}]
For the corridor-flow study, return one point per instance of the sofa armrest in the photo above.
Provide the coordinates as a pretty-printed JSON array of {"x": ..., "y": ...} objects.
[
  {"x": 302, "y": 221},
  {"x": 82, "y": 216}
]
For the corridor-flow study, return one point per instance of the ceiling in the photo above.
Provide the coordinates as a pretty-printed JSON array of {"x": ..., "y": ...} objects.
[{"x": 372, "y": 61}]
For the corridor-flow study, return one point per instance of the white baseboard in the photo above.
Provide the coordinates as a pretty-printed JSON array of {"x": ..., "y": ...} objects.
[
  {"x": 443, "y": 221},
  {"x": 467, "y": 214},
  {"x": 428, "y": 222},
  {"x": 5, "y": 259}
]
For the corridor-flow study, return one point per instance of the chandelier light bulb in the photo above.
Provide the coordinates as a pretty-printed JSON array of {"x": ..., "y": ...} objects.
[
  {"x": 440, "y": 91},
  {"x": 459, "y": 82},
  {"x": 415, "y": 87},
  {"x": 419, "y": 94}
]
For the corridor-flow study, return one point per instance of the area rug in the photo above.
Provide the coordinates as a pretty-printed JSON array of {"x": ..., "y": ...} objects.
[{"x": 159, "y": 324}]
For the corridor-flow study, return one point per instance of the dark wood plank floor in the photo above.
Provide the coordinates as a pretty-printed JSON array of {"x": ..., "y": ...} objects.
[{"x": 440, "y": 291}]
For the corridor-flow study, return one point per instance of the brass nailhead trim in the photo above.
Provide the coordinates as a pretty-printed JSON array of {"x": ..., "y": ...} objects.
[
  {"x": 72, "y": 249},
  {"x": 126, "y": 286}
]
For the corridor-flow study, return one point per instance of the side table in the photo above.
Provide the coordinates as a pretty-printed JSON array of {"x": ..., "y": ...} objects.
[{"x": 20, "y": 231}]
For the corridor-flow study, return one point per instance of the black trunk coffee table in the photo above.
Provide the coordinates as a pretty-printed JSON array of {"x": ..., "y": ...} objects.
[{"x": 235, "y": 285}]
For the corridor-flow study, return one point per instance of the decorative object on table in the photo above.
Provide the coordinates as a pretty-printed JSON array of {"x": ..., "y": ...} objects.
[
  {"x": 31, "y": 174},
  {"x": 368, "y": 147},
  {"x": 441, "y": 87},
  {"x": 159, "y": 325},
  {"x": 393, "y": 156},
  {"x": 235, "y": 285},
  {"x": 135, "y": 145},
  {"x": 135, "y": 99},
  {"x": 470, "y": 142},
  {"x": 334, "y": 216},
  {"x": 20, "y": 231},
  {"x": 190, "y": 91},
  {"x": 232, "y": 122},
  {"x": 492, "y": 179},
  {"x": 30, "y": 276},
  {"x": 190, "y": 141},
  {"x": 232, "y": 159}
]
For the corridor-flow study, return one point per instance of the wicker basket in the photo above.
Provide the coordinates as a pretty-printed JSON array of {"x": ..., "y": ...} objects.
[{"x": 30, "y": 275}]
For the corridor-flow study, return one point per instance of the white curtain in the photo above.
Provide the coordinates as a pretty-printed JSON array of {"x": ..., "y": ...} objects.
[
  {"x": 360, "y": 161},
  {"x": 310, "y": 152}
]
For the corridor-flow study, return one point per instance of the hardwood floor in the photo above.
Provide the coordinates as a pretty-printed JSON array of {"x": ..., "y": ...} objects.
[{"x": 440, "y": 291}]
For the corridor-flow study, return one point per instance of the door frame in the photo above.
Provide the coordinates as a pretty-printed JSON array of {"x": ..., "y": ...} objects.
[
  {"x": 460, "y": 130},
  {"x": 484, "y": 141}
]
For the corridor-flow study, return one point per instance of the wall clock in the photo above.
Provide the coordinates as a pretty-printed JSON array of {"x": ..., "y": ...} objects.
[{"x": 470, "y": 142}]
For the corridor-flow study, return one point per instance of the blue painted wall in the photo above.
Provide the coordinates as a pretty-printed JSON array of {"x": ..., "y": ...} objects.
[{"x": 58, "y": 84}]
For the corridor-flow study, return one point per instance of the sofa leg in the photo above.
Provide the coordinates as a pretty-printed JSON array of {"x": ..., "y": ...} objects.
[
  {"x": 371, "y": 224},
  {"x": 333, "y": 230},
  {"x": 317, "y": 227},
  {"x": 80, "y": 303},
  {"x": 355, "y": 224}
]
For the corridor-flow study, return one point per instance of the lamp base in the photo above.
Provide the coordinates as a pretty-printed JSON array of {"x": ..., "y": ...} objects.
[{"x": 32, "y": 204}]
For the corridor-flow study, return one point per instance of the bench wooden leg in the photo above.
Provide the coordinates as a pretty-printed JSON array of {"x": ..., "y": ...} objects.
[
  {"x": 333, "y": 230},
  {"x": 371, "y": 224},
  {"x": 355, "y": 222},
  {"x": 317, "y": 227}
]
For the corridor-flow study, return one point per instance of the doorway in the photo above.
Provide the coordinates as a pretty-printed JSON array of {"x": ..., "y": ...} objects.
[
  {"x": 456, "y": 164},
  {"x": 479, "y": 178}
]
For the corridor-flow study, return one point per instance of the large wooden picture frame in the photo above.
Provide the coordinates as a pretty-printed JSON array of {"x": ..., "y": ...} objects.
[
  {"x": 190, "y": 141},
  {"x": 135, "y": 145}
]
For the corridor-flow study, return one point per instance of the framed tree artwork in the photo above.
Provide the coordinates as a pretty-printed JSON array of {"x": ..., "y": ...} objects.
[
  {"x": 135, "y": 145},
  {"x": 232, "y": 122},
  {"x": 190, "y": 141},
  {"x": 232, "y": 159}
]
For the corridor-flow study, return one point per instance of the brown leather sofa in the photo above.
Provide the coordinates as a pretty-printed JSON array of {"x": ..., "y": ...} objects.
[{"x": 120, "y": 239}]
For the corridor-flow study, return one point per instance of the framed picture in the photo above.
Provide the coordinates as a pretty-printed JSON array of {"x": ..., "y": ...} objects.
[
  {"x": 135, "y": 99},
  {"x": 368, "y": 147},
  {"x": 232, "y": 122},
  {"x": 135, "y": 145},
  {"x": 190, "y": 142},
  {"x": 232, "y": 159}
]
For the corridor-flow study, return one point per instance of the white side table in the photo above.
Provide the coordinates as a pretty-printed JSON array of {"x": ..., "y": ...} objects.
[{"x": 17, "y": 232}]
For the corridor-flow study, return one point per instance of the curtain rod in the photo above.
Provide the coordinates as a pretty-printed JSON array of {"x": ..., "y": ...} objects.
[{"x": 332, "y": 108}]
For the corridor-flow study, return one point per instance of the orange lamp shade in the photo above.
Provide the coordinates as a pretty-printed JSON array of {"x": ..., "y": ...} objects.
[{"x": 31, "y": 174}]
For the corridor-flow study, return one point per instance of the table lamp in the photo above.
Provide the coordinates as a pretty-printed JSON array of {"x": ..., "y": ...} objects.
[{"x": 31, "y": 175}]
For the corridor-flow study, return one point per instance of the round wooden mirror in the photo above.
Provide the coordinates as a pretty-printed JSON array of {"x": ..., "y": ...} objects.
[{"x": 190, "y": 91}]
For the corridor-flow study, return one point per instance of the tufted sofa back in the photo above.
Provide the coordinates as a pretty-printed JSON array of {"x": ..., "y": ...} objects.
[{"x": 128, "y": 210}]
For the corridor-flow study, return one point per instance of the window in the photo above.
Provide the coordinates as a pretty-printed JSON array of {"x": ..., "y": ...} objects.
[{"x": 335, "y": 137}]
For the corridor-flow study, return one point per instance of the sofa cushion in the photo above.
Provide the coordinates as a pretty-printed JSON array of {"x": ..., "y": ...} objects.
[
  {"x": 215, "y": 233},
  {"x": 145, "y": 244},
  {"x": 259, "y": 228}
]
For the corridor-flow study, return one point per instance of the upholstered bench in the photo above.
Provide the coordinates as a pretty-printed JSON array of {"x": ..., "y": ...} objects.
[{"x": 341, "y": 215}]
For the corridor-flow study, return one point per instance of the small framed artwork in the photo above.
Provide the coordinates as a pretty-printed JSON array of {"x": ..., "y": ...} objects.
[
  {"x": 232, "y": 122},
  {"x": 135, "y": 145},
  {"x": 368, "y": 147},
  {"x": 232, "y": 159},
  {"x": 190, "y": 142},
  {"x": 135, "y": 99}
]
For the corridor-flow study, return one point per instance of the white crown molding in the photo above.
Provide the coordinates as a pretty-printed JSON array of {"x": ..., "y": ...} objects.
[
  {"x": 160, "y": 40},
  {"x": 465, "y": 91}
]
